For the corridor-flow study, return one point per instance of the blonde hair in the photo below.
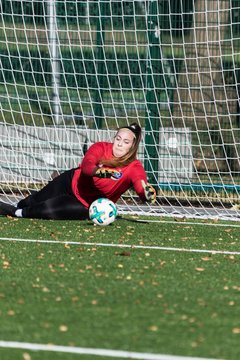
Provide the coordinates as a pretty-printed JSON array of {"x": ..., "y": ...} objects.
[{"x": 132, "y": 153}]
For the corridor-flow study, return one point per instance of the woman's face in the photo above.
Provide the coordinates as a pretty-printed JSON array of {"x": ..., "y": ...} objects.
[{"x": 123, "y": 142}]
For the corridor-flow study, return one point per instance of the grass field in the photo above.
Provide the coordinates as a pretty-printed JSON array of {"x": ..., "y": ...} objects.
[{"x": 144, "y": 288}]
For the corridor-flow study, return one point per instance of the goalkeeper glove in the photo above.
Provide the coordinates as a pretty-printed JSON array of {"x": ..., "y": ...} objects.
[
  {"x": 106, "y": 173},
  {"x": 149, "y": 192}
]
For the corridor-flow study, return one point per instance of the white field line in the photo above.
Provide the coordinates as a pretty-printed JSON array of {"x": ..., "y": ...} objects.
[
  {"x": 187, "y": 223},
  {"x": 90, "y": 351},
  {"x": 65, "y": 242}
]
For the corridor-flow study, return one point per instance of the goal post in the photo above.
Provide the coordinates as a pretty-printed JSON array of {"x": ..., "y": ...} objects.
[{"x": 71, "y": 72}]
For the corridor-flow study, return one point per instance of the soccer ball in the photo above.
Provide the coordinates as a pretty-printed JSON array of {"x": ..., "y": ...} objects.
[{"x": 102, "y": 211}]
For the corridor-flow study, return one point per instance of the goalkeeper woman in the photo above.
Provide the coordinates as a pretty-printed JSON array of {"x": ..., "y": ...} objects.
[{"x": 107, "y": 170}]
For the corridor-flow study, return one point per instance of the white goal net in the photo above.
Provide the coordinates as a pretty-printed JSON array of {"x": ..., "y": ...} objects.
[{"x": 71, "y": 72}]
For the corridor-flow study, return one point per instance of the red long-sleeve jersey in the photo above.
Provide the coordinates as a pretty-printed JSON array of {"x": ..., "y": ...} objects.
[{"x": 88, "y": 188}]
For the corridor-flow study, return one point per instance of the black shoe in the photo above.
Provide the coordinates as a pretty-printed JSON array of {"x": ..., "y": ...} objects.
[{"x": 7, "y": 209}]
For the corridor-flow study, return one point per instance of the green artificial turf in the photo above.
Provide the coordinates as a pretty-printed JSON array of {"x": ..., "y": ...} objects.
[{"x": 130, "y": 299}]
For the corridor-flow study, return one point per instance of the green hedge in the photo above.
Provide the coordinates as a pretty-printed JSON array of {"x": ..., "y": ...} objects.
[
  {"x": 174, "y": 15},
  {"x": 78, "y": 71},
  {"x": 117, "y": 14},
  {"x": 235, "y": 17},
  {"x": 74, "y": 12}
]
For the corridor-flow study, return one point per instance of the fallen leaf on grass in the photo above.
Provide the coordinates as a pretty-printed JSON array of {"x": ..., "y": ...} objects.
[
  {"x": 75, "y": 298},
  {"x": 206, "y": 258},
  {"x": 6, "y": 264},
  {"x": 194, "y": 344},
  {"x": 63, "y": 328},
  {"x": 11, "y": 312},
  {"x": 228, "y": 230},
  {"x": 235, "y": 287},
  {"x": 236, "y": 330},
  {"x": 230, "y": 257},
  {"x": 45, "y": 289},
  {"x": 153, "y": 328},
  {"x": 21, "y": 301},
  {"x": 101, "y": 291},
  {"x": 26, "y": 356},
  {"x": 199, "y": 269}
]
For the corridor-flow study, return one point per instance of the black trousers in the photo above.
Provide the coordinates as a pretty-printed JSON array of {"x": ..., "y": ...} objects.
[{"x": 54, "y": 201}]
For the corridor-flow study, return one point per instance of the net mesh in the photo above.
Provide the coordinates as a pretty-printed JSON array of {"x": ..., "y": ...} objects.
[{"x": 73, "y": 71}]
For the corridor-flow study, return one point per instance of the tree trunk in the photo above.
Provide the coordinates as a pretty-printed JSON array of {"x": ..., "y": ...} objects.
[{"x": 203, "y": 100}]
